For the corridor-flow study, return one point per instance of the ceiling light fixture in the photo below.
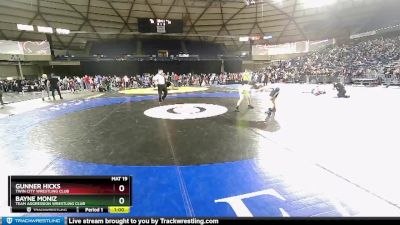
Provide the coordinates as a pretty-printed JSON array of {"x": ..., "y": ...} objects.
[
  {"x": 25, "y": 27},
  {"x": 62, "y": 31},
  {"x": 48, "y": 30},
  {"x": 243, "y": 39}
]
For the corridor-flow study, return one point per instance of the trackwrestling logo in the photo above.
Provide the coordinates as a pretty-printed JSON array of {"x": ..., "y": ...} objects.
[{"x": 33, "y": 220}]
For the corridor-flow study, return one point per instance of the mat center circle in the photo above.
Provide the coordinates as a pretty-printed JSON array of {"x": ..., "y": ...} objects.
[{"x": 185, "y": 111}]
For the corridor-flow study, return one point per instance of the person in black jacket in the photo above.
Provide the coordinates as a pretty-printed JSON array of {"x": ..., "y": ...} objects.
[
  {"x": 54, "y": 85},
  {"x": 1, "y": 92},
  {"x": 19, "y": 86},
  {"x": 341, "y": 90}
]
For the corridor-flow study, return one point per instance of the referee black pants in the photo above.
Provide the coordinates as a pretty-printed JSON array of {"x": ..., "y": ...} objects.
[
  {"x": 162, "y": 88},
  {"x": 53, "y": 89},
  {"x": 1, "y": 97}
]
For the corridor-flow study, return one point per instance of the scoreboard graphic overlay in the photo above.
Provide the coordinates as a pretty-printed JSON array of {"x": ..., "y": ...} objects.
[{"x": 74, "y": 194}]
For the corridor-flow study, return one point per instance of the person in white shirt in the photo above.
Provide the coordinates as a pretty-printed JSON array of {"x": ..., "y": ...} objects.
[
  {"x": 159, "y": 80},
  {"x": 44, "y": 86},
  {"x": 317, "y": 91},
  {"x": 78, "y": 83},
  {"x": 126, "y": 81}
]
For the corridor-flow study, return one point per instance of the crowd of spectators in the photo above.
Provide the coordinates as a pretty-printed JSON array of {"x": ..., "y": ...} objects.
[
  {"x": 19, "y": 85},
  {"x": 113, "y": 82},
  {"x": 361, "y": 59}
]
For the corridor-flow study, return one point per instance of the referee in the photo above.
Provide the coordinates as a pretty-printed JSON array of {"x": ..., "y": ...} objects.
[
  {"x": 1, "y": 92},
  {"x": 54, "y": 84},
  {"x": 159, "y": 80}
]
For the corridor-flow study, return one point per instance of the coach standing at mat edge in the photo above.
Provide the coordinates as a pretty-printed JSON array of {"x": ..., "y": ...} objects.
[{"x": 159, "y": 80}]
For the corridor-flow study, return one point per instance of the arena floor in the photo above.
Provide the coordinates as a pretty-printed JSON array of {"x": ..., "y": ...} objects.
[{"x": 321, "y": 156}]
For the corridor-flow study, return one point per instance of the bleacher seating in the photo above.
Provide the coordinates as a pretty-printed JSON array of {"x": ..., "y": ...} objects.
[
  {"x": 114, "y": 47},
  {"x": 204, "y": 49},
  {"x": 151, "y": 47}
]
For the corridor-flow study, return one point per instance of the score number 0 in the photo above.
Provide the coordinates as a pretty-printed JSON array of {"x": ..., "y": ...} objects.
[{"x": 121, "y": 200}]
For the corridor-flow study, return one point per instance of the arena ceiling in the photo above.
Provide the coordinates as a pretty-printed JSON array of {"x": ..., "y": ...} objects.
[{"x": 211, "y": 20}]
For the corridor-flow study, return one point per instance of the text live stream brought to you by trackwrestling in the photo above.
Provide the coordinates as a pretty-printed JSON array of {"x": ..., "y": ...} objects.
[{"x": 110, "y": 221}]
